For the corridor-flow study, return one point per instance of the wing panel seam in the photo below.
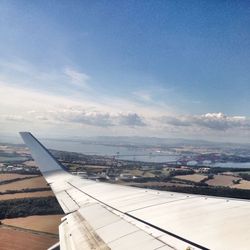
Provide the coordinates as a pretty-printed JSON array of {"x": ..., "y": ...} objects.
[{"x": 144, "y": 222}]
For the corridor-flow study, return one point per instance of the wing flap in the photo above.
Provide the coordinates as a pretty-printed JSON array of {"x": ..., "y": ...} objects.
[{"x": 96, "y": 227}]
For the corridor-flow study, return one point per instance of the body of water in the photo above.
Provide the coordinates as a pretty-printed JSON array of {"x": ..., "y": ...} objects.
[
  {"x": 125, "y": 153},
  {"x": 232, "y": 165},
  {"x": 12, "y": 159}
]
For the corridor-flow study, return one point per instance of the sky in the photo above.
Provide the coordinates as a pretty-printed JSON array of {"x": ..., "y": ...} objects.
[{"x": 132, "y": 68}]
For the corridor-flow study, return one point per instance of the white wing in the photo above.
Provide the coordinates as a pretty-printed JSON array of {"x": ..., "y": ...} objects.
[{"x": 108, "y": 216}]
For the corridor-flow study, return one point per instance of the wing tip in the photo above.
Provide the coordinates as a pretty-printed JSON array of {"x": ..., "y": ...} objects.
[
  {"x": 24, "y": 133},
  {"x": 44, "y": 159}
]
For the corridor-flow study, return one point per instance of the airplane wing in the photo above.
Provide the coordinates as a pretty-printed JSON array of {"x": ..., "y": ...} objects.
[{"x": 109, "y": 216}]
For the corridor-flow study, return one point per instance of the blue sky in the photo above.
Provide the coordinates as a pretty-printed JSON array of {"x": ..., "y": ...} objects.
[{"x": 163, "y": 68}]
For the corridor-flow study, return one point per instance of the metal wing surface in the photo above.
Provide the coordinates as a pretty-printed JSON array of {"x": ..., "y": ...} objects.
[{"x": 109, "y": 216}]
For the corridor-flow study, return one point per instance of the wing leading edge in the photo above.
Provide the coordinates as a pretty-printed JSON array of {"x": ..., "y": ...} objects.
[{"x": 109, "y": 216}]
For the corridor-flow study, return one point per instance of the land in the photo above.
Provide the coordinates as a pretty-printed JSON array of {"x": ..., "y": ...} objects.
[
  {"x": 243, "y": 185},
  {"x": 193, "y": 168},
  {"x": 191, "y": 177},
  {"x": 26, "y": 195},
  {"x": 34, "y": 182},
  {"x": 5, "y": 177},
  {"x": 223, "y": 180},
  {"x": 30, "y": 214},
  {"x": 23, "y": 192},
  {"x": 21, "y": 239},
  {"x": 45, "y": 223}
]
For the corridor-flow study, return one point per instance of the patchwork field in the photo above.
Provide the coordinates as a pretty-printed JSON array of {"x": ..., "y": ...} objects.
[
  {"x": 37, "y": 182},
  {"x": 191, "y": 177},
  {"x": 137, "y": 172},
  {"x": 43, "y": 223},
  {"x": 30, "y": 163},
  {"x": 5, "y": 177},
  {"x": 222, "y": 180},
  {"x": 21, "y": 240},
  {"x": 26, "y": 195},
  {"x": 32, "y": 232},
  {"x": 242, "y": 185}
]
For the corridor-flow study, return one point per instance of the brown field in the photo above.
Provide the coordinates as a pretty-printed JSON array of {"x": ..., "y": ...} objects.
[
  {"x": 148, "y": 174},
  {"x": 191, "y": 177},
  {"x": 26, "y": 195},
  {"x": 19, "y": 240},
  {"x": 242, "y": 185},
  {"x": 42, "y": 223},
  {"x": 37, "y": 182},
  {"x": 229, "y": 173},
  {"x": 95, "y": 166},
  {"x": 30, "y": 163},
  {"x": 135, "y": 172},
  {"x": 222, "y": 180},
  {"x": 4, "y": 177}
]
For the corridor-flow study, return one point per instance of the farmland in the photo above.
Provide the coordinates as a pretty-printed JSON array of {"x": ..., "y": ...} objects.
[
  {"x": 242, "y": 185},
  {"x": 26, "y": 195},
  {"x": 5, "y": 177},
  {"x": 222, "y": 180},
  {"x": 191, "y": 177},
  {"x": 31, "y": 232},
  {"x": 42, "y": 223},
  {"x": 19, "y": 239},
  {"x": 36, "y": 182}
]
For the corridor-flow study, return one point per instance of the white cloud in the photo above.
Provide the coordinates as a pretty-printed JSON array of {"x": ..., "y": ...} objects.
[
  {"x": 143, "y": 95},
  {"x": 25, "y": 109},
  {"x": 42, "y": 118},
  {"x": 26, "y": 105},
  {"x": 22, "y": 75},
  {"x": 76, "y": 77},
  {"x": 98, "y": 118},
  {"x": 212, "y": 121},
  {"x": 15, "y": 118},
  {"x": 101, "y": 119},
  {"x": 26, "y": 74},
  {"x": 131, "y": 119}
]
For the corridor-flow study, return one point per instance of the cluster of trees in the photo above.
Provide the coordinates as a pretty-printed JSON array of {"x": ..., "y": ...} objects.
[
  {"x": 237, "y": 181},
  {"x": 181, "y": 172},
  {"x": 209, "y": 177},
  {"x": 29, "y": 206},
  {"x": 245, "y": 176}
]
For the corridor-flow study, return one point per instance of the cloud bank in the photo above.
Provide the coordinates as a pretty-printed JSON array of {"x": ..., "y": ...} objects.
[{"x": 211, "y": 121}]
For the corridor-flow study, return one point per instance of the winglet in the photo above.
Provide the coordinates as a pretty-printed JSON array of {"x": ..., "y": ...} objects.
[{"x": 45, "y": 161}]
